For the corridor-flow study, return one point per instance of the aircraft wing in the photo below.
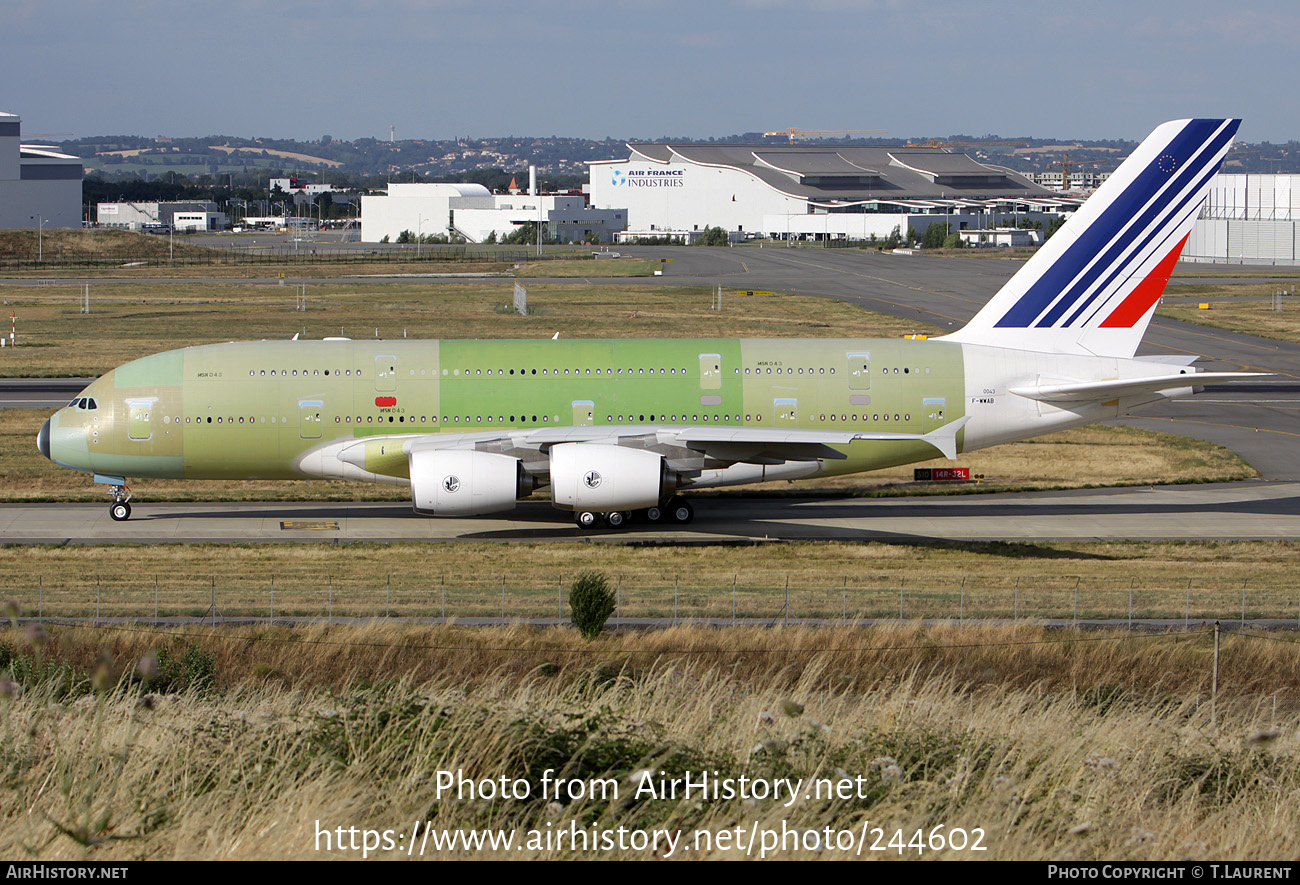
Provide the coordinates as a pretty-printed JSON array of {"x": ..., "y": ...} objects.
[
  {"x": 1097, "y": 391},
  {"x": 730, "y": 445}
]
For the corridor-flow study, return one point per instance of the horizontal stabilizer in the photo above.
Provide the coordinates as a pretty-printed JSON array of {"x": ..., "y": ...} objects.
[{"x": 1097, "y": 391}]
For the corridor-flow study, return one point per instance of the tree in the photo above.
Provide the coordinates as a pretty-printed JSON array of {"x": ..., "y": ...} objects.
[
  {"x": 591, "y": 602},
  {"x": 713, "y": 236},
  {"x": 934, "y": 236}
]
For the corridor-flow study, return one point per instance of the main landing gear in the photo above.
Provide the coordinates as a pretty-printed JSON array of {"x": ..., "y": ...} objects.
[
  {"x": 676, "y": 510},
  {"x": 120, "y": 509}
]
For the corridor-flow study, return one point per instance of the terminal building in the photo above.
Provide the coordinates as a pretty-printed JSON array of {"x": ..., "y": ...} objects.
[
  {"x": 473, "y": 213},
  {"x": 814, "y": 192},
  {"x": 1248, "y": 219},
  {"x": 39, "y": 186}
]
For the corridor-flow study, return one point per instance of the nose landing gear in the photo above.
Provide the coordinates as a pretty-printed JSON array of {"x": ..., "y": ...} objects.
[{"x": 120, "y": 509}]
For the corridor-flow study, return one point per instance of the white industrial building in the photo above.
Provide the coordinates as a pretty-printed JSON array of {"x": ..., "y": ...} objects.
[
  {"x": 814, "y": 192},
  {"x": 1248, "y": 219},
  {"x": 472, "y": 212},
  {"x": 183, "y": 215},
  {"x": 39, "y": 186}
]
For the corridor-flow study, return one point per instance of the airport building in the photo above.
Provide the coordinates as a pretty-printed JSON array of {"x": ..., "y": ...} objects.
[
  {"x": 473, "y": 213},
  {"x": 185, "y": 215},
  {"x": 814, "y": 192},
  {"x": 1248, "y": 219},
  {"x": 39, "y": 186}
]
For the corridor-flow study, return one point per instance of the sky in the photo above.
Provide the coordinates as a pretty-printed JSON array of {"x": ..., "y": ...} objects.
[{"x": 440, "y": 69}]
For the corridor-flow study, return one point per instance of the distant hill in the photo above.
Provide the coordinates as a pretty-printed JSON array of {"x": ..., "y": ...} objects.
[{"x": 370, "y": 162}]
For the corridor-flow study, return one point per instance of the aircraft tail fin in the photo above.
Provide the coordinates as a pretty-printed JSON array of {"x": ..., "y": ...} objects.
[{"x": 1093, "y": 287}]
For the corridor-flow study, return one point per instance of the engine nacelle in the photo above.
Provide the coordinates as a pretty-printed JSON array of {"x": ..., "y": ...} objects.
[
  {"x": 462, "y": 482},
  {"x": 602, "y": 478}
]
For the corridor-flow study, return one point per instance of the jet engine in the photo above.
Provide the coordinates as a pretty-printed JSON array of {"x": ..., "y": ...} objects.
[
  {"x": 463, "y": 482},
  {"x": 604, "y": 478}
]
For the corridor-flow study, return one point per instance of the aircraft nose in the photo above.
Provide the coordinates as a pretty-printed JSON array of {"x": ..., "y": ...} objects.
[{"x": 43, "y": 439}]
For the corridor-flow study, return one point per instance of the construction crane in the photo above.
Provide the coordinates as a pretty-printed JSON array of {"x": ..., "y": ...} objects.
[{"x": 795, "y": 134}]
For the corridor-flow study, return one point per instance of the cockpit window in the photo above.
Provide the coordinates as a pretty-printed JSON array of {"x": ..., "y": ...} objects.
[{"x": 83, "y": 404}]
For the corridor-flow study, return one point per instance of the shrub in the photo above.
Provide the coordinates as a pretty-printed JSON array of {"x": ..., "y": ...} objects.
[{"x": 591, "y": 602}]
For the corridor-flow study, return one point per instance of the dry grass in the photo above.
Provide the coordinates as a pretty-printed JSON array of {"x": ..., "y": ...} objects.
[
  {"x": 1201, "y": 581},
  {"x": 131, "y": 320},
  {"x": 1054, "y": 749},
  {"x": 1240, "y": 307}
]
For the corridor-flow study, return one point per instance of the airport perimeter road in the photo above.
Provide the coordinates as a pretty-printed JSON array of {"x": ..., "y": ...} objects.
[{"x": 1237, "y": 511}]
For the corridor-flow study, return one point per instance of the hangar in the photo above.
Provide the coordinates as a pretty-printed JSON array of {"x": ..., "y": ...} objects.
[
  {"x": 1248, "y": 219},
  {"x": 814, "y": 192},
  {"x": 473, "y": 213},
  {"x": 39, "y": 186}
]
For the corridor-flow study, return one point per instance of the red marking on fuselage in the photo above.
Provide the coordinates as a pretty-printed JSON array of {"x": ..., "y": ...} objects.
[{"x": 385, "y": 401}]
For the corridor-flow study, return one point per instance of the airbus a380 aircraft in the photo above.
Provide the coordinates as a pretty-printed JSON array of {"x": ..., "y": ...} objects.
[{"x": 616, "y": 426}]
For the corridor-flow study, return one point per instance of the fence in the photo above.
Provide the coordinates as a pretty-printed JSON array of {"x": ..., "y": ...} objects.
[
  {"x": 779, "y": 601},
  {"x": 305, "y": 253}
]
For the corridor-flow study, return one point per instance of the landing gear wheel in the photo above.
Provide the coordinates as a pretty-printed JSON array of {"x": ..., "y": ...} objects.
[
  {"x": 586, "y": 519},
  {"x": 617, "y": 519},
  {"x": 120, "y": 511},
  {"x": 654, "y": 514},
  {"x": 680, "y": 510}
]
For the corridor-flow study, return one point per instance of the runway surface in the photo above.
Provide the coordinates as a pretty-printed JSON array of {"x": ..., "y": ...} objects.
[{"x": 1236, "y": 511}]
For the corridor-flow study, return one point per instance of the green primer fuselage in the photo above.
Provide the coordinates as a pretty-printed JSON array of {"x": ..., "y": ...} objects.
[{"x": 255, "y": 409}]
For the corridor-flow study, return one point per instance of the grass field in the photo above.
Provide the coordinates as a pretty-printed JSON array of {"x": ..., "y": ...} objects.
[
  {"x": 1242, "y": 307},
  {"x": 1199, "y": 581},
  {"x": 1029, "y": 745},
  {"x": 130, "y": 320}
]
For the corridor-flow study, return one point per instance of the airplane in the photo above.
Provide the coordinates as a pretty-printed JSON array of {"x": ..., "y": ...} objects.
[{"x": 619, "y": 428}]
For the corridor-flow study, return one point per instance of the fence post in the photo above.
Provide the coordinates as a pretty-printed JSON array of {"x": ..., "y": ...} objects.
[
  {"x": 388, "y": 594},
  {"x": 675, "y": 599},
  {"x": 1076, "y": 603},
  {"x": 787, "y": 600},
  {"x": 273, "y": 597},
  {"x": 1214, "y": 686},
  {"x": 618, "y": 599},
  {"x": 155, "y": 598},
  {"x": 559, "y": 598},
  {"x": 503, "y": 599},
  {"x": 1243, "y": 603},
  {"x": 734, "y": 578},
  {"x": 962, "y": 610},
  {"x": 901, "y": 583},
  {"x": 1187, "y": 612},
  {"x": 40, "y": 596},
  {"x": 444, "y": 599},
  {"x": 844, "y": 601},
  {"x": 329, "y": 601},
  {"x": 96, "y": 602},
  {"x": 1015, "y": 600},
  {"x": 1130, "y": 602}
]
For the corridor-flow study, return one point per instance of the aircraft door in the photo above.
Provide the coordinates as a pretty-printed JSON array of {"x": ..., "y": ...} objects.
[
  {"x": 710, "y": 371},
  {"x": 858, "y": 364},
  {"x": 139, "y": 419},
  {"x": 584, "y": 413},
  {"x": 786, "y": 411},
  {"x": 385, "y": 371},
  {"x": 309, "y": 418},
  {"x": 932, "y": 417}
]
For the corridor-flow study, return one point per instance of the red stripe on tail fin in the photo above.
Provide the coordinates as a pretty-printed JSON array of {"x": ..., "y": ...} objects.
[{"x": 1147, "y": 293}]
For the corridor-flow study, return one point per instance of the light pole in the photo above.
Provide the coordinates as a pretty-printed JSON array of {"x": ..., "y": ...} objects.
[
  {"x": 419, "y": 233},
  {"x": 40, "y": 237}
]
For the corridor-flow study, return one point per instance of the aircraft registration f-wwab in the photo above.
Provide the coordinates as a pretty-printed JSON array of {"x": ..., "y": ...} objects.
[{"x": 617, "y": 426}]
